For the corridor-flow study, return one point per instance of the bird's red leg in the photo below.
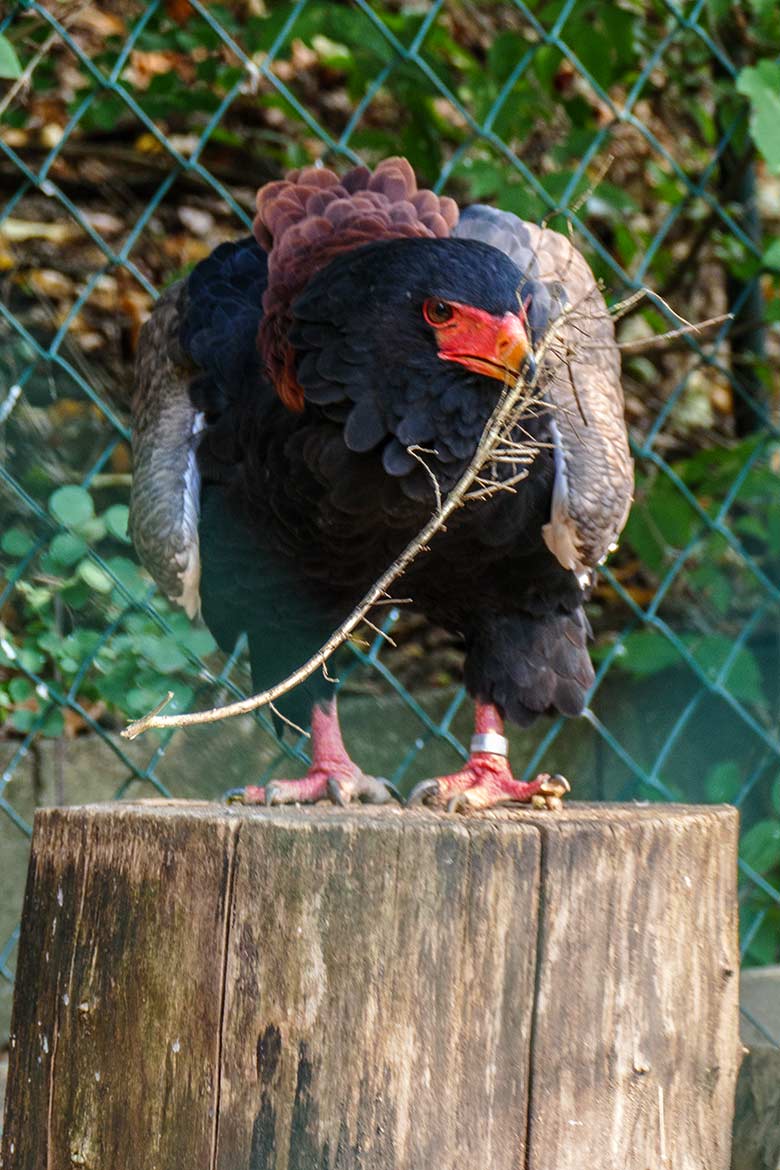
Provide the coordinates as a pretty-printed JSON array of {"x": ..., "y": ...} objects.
[
  {"x": 487, "y": 780},
  {"x": 331, "y": 776}
]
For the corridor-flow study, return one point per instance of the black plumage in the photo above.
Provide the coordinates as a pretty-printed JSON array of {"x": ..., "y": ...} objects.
[{"x": 302, "y": 509}]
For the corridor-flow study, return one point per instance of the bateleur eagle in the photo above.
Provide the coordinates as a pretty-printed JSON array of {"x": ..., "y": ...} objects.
[{"x": 279, "y": 390}]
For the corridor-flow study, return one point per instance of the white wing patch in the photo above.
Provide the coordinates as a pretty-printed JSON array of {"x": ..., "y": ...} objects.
[
  {"x": 560, "y": 533},
  {"x": 189, "y": 598}
]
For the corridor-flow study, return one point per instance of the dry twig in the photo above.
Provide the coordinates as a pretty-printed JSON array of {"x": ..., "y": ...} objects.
[
  {"x": 25, "y": 77},
  {"x": 659, "y": 341}
]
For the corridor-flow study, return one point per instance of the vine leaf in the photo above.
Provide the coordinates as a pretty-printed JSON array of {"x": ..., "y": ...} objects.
[{"x": 761, "y": 84}]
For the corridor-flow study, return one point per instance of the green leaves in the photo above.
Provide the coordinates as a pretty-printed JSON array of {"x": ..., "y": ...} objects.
[
  {"x": 771, "y": 257},
  {"x": 95, "y": 577},
  {"x": 761, "y": 84},
  {"x": 646, "y": 652},
  {"x": 16, "y": 542},
  {"x": 760, "y": 848},
  {"x": 72, "y": 506},
  {"x": 20, "y": 689},
  {"x": 10, "y": 66},
  {"x": 74, "y": 589},
  {"x": 66, "y": 549},
  {"x": 116, "y": 522},
  {"x": 724, "y": 782}
]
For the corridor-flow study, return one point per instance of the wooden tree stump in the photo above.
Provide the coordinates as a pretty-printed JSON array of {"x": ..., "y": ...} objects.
[{"x": 206, "y": 988}]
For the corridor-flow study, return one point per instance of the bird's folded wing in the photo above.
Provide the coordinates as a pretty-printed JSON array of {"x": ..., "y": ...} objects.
[
  {"x": 580, "y": 377},
  {"x": 164, "y": 502}
]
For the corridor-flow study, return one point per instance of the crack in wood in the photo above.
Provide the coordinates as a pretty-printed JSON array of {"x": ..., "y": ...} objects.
[
  {"x": 541, "y": 908},
  {"x": 228, "y": 902}
]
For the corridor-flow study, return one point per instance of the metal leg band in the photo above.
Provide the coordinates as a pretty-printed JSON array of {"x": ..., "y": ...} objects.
[{"x": 490, "y": 741}]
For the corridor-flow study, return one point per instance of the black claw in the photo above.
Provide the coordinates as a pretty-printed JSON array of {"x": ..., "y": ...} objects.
[
  {"x": 233, "y": 796},
  {"x": 392, "y": 790},
  {"x": 421, "y": 791},
  {"x": 377, "y": 790},
  {"x": 335, "y": 793}
]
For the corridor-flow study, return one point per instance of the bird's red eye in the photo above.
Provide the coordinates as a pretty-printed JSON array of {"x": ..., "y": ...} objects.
[{"x": 437, "y": 312}]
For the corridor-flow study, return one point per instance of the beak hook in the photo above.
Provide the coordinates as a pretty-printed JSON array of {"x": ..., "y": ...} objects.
[{"x": 529, "y": 367}]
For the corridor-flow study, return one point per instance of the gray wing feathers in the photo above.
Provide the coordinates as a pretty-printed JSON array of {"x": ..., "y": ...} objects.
[
  {"x": 580, "y": 376},
  {"x": 502, "y": 230},
  {"x": 164, "y": 501}
]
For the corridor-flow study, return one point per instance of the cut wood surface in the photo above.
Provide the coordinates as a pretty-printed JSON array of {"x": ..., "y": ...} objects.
[{"x": 376, "y": 989}]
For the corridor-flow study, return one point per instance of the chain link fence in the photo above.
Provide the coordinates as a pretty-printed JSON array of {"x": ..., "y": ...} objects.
[{"x": 133, "y": 138}]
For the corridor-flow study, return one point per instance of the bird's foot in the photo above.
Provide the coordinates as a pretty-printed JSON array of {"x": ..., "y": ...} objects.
[
  {"x": 485, "y": 782},
  {"x": 339, "y": 784}
]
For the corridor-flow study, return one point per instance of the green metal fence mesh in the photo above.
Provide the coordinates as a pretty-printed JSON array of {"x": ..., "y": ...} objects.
[{"x": 132, "y": 144}]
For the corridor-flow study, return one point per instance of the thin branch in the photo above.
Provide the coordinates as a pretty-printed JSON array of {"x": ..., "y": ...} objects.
[
  {"x": 599, "y": 177},
  {"x": 417, "y": 453},
  {"x": 382, "y": 633},
  {"x": 25, "y": 76},
  {"x": 621, "y": 308},
  {"x": 654, "y": 296},
  {"x": 489, "y": 488},
  {"x": 163, "y": 703},
  {"x": 290, "y": 723},
  {"x": 659, "y": 340}
]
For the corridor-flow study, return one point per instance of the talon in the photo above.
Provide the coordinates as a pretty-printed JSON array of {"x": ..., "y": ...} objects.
[
  {"x": 377, "y": 790},
  {"x": 272, "y": 794},
  {"x": 250, "y": 794},
  {"x": 458, "y": 803},
  {"x": 335, "y": 793},
  {"x": 391, "y": 788},
  {"x": 421, "y": 791},
  {"x": 555, "y": 786}
]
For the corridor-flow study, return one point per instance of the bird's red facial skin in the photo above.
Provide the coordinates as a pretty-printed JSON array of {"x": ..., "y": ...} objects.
[{"x": 494, "y": 346}]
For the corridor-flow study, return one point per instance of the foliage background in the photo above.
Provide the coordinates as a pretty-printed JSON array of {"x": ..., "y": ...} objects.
[{"x": 133, "y": 138}]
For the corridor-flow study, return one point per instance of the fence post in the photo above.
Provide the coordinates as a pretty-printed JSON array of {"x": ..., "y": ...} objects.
[{"x": 332, "y": 989}]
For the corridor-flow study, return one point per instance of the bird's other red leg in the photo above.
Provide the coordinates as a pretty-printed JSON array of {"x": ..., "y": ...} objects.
[
  {"x": 486, "y": 779},
  {"x": 332, "y": 775}
]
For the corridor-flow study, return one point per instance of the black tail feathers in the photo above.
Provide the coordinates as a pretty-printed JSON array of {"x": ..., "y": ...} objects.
[{"x": 530, "y": 666}]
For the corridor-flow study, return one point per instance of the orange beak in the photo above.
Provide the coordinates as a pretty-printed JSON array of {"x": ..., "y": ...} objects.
[{"x": 497, "y": 347}]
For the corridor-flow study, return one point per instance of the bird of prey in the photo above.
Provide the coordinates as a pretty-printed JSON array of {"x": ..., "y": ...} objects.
[{"x": 284, "y": 393}]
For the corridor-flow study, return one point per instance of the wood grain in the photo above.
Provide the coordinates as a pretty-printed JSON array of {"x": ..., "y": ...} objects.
[
  {"x": 119, "y": 986},
  {"x": 366, "y": 989},
  {"x": 635, "y": 1046},
  {"x": 370, "y": 961}
]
